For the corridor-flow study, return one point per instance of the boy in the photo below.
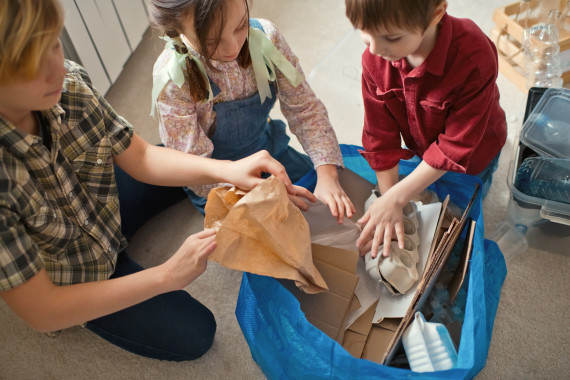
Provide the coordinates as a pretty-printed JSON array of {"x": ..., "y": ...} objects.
[{"x": 428, "y": 78}]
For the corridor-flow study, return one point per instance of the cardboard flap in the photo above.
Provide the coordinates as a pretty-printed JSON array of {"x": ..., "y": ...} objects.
[
  {"x": 356, "y": 335},
  {"x": 390, "y": 323},
  {"x": 459, "y": 276},
  {"x": 341, "y": 258},
  {"x": 364, "y": 323},
  {"x": 440, "y": 256},
  {"x": 328, "y": 310}
]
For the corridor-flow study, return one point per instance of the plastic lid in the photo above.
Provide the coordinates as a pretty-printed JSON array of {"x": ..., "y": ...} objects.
[{"x": 547, "y": 129}]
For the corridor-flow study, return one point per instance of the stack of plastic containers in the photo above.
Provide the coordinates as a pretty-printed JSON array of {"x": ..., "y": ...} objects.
[{"x": 539, "y": 176}]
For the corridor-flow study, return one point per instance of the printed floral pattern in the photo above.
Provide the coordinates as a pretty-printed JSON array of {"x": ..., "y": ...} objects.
[{"x": 185, "y": 125}]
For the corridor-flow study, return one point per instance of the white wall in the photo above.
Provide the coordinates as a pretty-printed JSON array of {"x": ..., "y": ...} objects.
[{"x": 103, "y": 34}]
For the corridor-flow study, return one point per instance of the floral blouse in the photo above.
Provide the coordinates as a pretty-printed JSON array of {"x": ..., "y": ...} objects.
[{"x": 185, "y": 125}]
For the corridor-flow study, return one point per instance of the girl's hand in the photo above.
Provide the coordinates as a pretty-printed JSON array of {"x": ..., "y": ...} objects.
[
  {"x": 382, "y": 218},
  {"x": 191, "y": 259},
  {"x": 330, "y": 191},
  {"x": 301, "y": 196},
  {"x": 246, "y": 173}
]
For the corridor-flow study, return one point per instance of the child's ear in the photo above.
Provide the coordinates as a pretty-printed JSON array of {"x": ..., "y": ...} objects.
[{"x": 438, "y": 13}]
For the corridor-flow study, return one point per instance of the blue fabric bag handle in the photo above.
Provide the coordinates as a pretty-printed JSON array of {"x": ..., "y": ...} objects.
[{"x": 286, "y": 346}]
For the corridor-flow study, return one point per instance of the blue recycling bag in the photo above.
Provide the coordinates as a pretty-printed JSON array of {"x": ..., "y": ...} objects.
[{"x": 286, "y": 346}]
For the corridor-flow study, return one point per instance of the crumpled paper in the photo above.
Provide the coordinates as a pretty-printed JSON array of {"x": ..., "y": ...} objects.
[{"x": 263, "y": 232}]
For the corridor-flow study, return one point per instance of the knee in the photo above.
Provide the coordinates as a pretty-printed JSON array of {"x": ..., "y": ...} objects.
[
  {"x": 203, "y": 336},
  {"x": 196, "y": 337}
]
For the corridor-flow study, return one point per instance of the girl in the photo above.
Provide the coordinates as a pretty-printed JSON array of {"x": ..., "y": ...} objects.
[
  {"x": 62, "y": 250},
  {"x": 215, "y": 84}
]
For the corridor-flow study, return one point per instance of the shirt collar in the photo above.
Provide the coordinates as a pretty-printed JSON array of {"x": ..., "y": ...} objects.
[
  {"x": 435, "y": 61},
  {"x": 19, "y": 142}
]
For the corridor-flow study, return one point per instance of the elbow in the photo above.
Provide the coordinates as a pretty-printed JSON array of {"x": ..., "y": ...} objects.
[{"x": 44, "y": 324}]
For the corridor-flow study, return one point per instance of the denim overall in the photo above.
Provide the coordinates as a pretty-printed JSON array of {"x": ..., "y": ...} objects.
[{"x": 243, "y": 127}]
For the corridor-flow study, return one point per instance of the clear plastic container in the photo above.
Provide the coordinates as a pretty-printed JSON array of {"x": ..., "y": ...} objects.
[
  {"x": 547, "y": 128},
  {"x": 545, "y": 133},
  {"x": 544, "y": 177},
  {"x": 511, "y": 239}
]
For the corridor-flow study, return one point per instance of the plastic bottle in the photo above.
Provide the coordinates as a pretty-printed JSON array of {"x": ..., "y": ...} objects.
[
  {"x": 524, "y": 13},
  {"x": 541, "y": 52},
  {"x": 545, "y": 178},
  {"x": 564, "y": 20},
  {"x": 428, "y": 346},
  {"x": 542, "y": 9}
]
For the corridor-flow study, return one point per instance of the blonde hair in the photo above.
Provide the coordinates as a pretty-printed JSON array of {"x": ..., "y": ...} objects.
[{"x": 27, "y": 27}]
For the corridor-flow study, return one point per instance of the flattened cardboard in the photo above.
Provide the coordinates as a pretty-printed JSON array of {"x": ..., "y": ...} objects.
[
  {"x": 459, "y": 276},
  {"x": 356, "y": 335},
  {"x": 328, "y": 310},
  {"x": 439, "y": 231},
  {"x": 377, "y": 344},
  {"x": 440, "y": 256},
  {"x": 354, "y": 305}
]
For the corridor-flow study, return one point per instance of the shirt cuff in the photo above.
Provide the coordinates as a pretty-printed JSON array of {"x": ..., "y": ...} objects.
[
  {"x": 437, "y": 159},
  {"x": 386, "y": 159}
]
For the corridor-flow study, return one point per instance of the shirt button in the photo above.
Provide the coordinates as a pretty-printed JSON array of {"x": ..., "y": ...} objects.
[
  {"x": 86, "y": 222},
  {"x": 99, "y": 161},
  {"x": 54, "y": 215},
  {"x": 70, "y": 194}
]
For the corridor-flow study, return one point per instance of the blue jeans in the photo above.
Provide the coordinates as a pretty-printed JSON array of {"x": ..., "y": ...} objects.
[
  {"x": 486, "y": 175},
  {"x": 171, "y": 326}
]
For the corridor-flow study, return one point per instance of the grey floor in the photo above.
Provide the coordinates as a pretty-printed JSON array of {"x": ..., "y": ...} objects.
[{"x": 531, "y": 337}]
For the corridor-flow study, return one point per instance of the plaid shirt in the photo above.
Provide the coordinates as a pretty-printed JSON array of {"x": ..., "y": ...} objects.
[{"x": 59, "y": 207}]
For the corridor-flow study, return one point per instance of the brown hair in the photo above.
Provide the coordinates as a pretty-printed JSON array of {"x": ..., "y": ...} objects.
[
  {"x": 27, "y": 27},
  {"x": 168, "y": 17},
  {"x": 411, "y": 15}
]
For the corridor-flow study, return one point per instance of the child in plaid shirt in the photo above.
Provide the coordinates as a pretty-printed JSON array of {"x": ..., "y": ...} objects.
[{"x": 65, "y": 161}]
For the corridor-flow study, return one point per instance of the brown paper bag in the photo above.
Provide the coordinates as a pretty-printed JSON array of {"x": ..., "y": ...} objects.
[{"x": 263, "y": 232}]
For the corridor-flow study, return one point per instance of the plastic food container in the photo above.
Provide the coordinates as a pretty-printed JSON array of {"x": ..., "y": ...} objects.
[
  {"x": 428, "y": 346},
  {"x": 546, "y": 133}
]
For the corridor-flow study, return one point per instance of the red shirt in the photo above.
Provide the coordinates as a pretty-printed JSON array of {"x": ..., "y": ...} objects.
[{"x": 447, "y": 109}]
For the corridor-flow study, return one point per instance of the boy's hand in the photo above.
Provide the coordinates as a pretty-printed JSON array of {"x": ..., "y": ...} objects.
[
  {"x": 380, "y": 221},
  {"x": 330, "y": 191}
]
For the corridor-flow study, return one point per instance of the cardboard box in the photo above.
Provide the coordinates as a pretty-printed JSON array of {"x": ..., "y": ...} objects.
[
  {"x": 329, "y": 310},
  {"x": 508, "y": 36}
]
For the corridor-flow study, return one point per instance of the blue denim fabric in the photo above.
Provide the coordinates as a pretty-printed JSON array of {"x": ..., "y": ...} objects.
[
  {"x": 171, "y": 326},
  {"x": 486, "y": 175}
]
